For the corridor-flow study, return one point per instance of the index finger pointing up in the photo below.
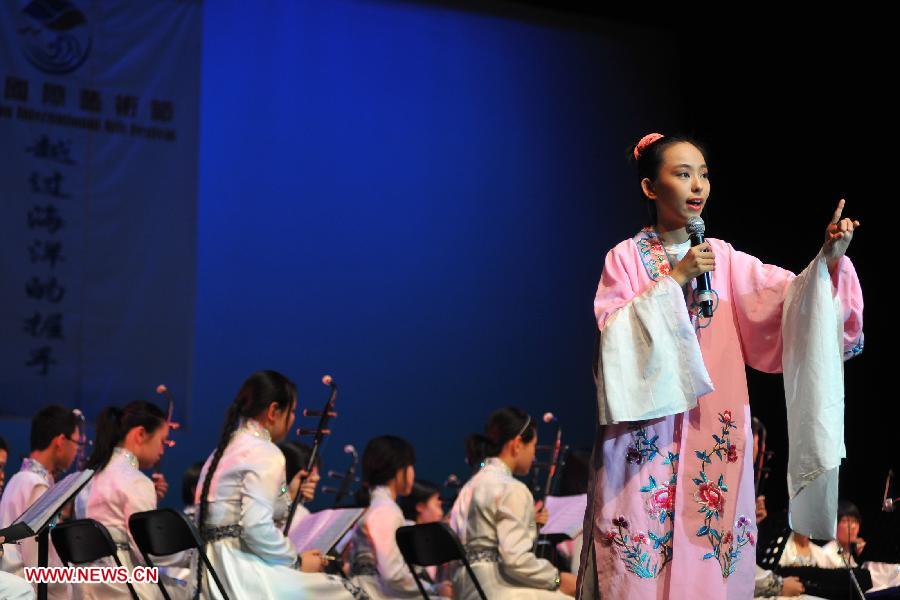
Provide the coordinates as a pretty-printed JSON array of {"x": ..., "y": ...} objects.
[{"x": 837, "y": 212}]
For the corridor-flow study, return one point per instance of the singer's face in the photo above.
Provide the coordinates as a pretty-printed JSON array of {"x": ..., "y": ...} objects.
[{"x": 681, "y": 187}]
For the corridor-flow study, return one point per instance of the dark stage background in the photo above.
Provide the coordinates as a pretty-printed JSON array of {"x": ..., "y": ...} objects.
[{"x": 417, "y": 197}]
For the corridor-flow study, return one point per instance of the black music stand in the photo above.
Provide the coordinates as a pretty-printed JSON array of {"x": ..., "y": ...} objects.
[{"x": 38, "y": 518}]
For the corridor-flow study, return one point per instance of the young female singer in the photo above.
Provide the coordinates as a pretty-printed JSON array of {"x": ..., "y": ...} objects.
[{"x": 671, "y": 502}]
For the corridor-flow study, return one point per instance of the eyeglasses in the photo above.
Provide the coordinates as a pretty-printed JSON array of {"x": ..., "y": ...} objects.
[{"x": 81, "y": 443}]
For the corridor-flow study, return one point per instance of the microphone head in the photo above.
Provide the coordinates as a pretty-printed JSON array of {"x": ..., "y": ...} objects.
[
  {"x": 548, "y": 417},
  {"x": 327, "y": 380},
  {"x": 349, "y": 449},
  {"x": 161, "y": 389},
  {"x": 77, "y": 412},
  {"x": 695, "y": 226}
]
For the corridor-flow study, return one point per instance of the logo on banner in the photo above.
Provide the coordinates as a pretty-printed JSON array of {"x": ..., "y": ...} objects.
[{"x": 54, "y": 36}]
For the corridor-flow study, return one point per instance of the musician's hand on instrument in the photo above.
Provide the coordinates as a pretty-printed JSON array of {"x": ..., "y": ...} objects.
[
  {"x": 541, "y": 514},
  {"x": 160, "y": 483},
  {"x": 444, "y": 589},
  {"x": 567, "y": 583},
  {"x": 761, "y": 512},
  {"x": 791, "y": 586},
  {"x": 308, "y": 487},
  {"x": 312, "y": 561}
]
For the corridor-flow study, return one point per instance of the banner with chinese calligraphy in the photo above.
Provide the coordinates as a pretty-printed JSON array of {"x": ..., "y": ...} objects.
[{"x": 98, "y": 185}]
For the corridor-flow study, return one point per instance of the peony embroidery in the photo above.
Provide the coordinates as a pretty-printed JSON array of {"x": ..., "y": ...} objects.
[
  {"x": 711, "y": 497},
  {"x": 646, "y": 552}
]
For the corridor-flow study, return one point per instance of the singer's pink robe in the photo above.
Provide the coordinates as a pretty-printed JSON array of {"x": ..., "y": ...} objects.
[{"x": 671, "y": 500}]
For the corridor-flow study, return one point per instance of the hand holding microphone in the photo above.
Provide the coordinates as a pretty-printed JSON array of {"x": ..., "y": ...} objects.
[{"x": 698, "y": 260}]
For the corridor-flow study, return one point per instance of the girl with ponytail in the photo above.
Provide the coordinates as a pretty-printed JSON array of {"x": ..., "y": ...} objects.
[
  {"x": 494, "y": 516},
  {"x": 128, "y": 439},
  {"x": 242, "y": 496},
  {"x": 376, "y": 564}
]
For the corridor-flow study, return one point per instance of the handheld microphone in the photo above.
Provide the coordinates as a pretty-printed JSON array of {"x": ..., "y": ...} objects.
[{"x": 696, "y": 229}]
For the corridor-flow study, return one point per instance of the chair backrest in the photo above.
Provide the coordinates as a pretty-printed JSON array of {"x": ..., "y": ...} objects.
[
  {"x": 82, "y": 541},
  {"x": 429, "y": 544},
  {"x": 163, "y": 531},
  {"x": 166, "y": 531},
  {"x": 432, "y": 544}
]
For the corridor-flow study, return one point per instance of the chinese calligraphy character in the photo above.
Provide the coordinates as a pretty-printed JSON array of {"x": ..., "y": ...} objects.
[
  {"x": 50, "y": 327},
  {"x": 50, "y": 252},
  {"x": 50, "y": 185},
  {"x": 53, "y": 94},
  {"x": 126, "y": 106},
  {"x": 90, "y": 101},
  {"x": 41, "y": 358},
  {"x": 56, "y": 151},
  {"x": 16, "y": 89},
  {"x": 50, "y": 290},
  {"x": 162, "y": 110},
  {"x": 45, "y": 216}
]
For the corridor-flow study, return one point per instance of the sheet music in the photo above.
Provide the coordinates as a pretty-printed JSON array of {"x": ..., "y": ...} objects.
[
  {"x": 566, "y": 515},
  {"x": 51, "y": 502},
  {"x": 339, "y": 547},
  {"x": 323, "y": 529}
]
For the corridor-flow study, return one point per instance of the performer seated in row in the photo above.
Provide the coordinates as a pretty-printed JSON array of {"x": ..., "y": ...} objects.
[
  {"x": 423, "y": 505},
  {"x": 55, "y": 439},
  {"x": 376, "y": 564},
  {"x": 244, "y": 494},
  {"x": 846, "y": 546},
  {"x": 128, "y": 439},
  {"x": 494, "y": 516},
  {"x": 189, "y": 482},
  {"x": 671, "y": 503}
]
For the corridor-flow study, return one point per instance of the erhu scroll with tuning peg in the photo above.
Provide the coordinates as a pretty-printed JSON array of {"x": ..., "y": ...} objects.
[
  {"x": 347, "y": 478},
  {"x": 163, "y": 391},
  {"x": 552, "y": 462},
  {"x": 318, "y": 434}
]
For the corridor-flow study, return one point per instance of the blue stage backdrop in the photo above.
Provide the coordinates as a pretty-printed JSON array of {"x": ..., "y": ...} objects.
[{"x": 416, "y": 200}]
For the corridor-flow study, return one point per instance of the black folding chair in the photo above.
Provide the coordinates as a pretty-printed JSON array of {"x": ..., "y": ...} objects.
[
  {"x": 429, "y": 545},
  {"x": 85, "y": 541},
  {"x": 167, "y": 531}
]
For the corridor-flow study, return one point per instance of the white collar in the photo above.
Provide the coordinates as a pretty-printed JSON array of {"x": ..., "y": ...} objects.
[
  {"x": 253, "y": 427},
  {"x": 495, "y": 462},
  {"x": 128, "y": 456}
]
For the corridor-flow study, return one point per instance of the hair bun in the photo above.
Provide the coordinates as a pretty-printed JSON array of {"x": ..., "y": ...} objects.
[{"x": 646, "y": 141}]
